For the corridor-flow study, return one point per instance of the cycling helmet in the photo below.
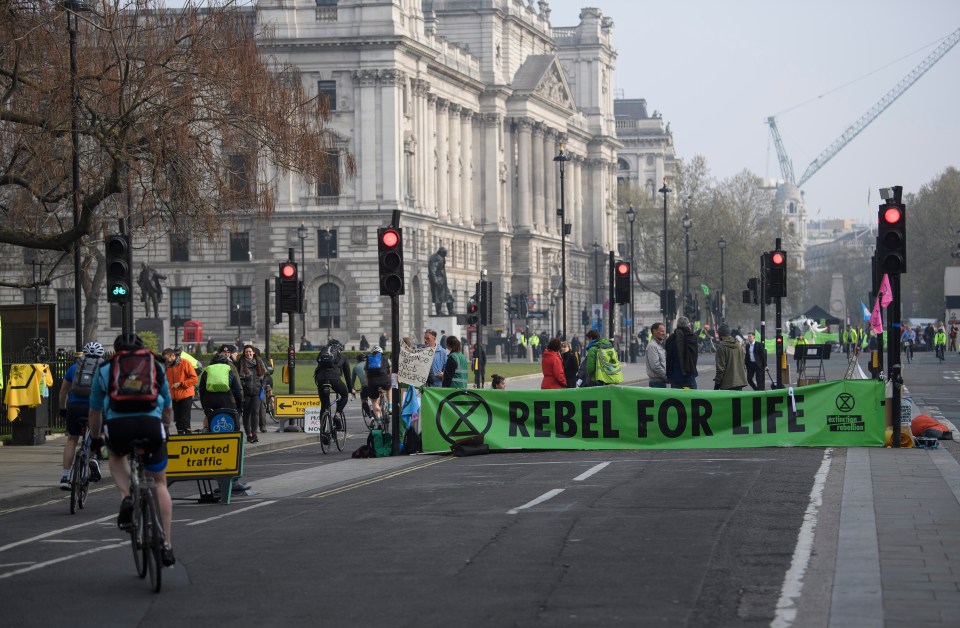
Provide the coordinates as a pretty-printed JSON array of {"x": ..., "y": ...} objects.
[
  {"x": 220, "y": 358},
  {"x": 336, "y": 343},
  {"x": 94, "y": 349},
  {"x": 376, "y": 349},
  {"x": 128, "y": 342}
]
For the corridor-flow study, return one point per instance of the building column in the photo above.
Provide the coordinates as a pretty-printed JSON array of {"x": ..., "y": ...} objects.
[
  {"x": 523, "y": 217},
  {"x": 453, "y": 157},
  {"x": 466, "y": 167},
  {"x": 391, "y": 148},
  {"x": 551, "y": 202},
  {"x": 431, "y": 171},
  {"x": 420, "y": 177},
  {"x": 443, "y": 166},
  {"x": 579, "y": 232},
  {"x": 489, "y": 201},
  {"x": 537, "y": 167},
  {"x": 366, "y": 142}
]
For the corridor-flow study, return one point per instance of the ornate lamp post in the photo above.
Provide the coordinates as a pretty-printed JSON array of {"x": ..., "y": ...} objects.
[
  {"x": 302, "y": 234},
  {"x": 596, "y": 272},
  {"x": 72, "y": 8},
  {"x": 663, "y": 299},
  {"x": 631, "y": 216},
  {"x": 562, "y": 159},
  {"x": 687, "y": 223},
  {"x": 722, "y": 244}
]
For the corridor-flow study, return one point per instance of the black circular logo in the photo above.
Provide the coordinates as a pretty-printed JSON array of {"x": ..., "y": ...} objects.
[
  {"x": 463, "y": 414},
  {"x": 845, "y": 402}
]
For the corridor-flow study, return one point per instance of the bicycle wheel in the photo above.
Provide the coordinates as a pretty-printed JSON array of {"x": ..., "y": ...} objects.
[
  {"x": 325, "y": 431},
  {"x": 340, "y": 434},
  {"x": 367, "y": 416},
  {"x": 138, "y": 539},
  {"x": 78, "y": 482},
  {"x": 153, "y": 539}
]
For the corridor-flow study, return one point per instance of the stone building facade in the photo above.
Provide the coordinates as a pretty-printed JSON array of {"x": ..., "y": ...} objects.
[{"x": 454, "y": 111}]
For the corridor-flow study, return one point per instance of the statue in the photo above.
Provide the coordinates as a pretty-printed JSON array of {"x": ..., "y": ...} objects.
[
  {"x": 437, "y": 273},
  {"x": 150, "y": 288}
]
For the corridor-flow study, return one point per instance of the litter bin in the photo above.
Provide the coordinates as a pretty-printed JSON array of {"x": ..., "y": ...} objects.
[{"x": 30, "y": 427}]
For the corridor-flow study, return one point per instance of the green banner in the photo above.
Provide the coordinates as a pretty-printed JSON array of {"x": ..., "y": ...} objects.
[{"x": 844, "y": 413}]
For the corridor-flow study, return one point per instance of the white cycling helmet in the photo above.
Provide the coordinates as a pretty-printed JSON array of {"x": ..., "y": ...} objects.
[
  {"x": 376, "y": 349},
  {"x": 93, "y": 348}
]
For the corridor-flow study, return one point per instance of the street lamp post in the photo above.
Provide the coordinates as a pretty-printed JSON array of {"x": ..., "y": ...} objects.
[
  {"x": 722, "y": 244},
  {"x": 73, "y": 7},
  {"x": 562, "y": 159},
  {"x": 302, "y": 234},
  {"x": 326, "y": 238},
  {"x": 631, "y": 216},
  {"x": 687, "y": 223},
  {"x": 663, "y": 299},
  {"x": 239, "y": 342},
  {"x": 596, "y": 272}
]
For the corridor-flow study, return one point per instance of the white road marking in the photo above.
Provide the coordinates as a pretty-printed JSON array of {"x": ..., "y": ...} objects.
[
  {"x": 548, "y": 495},
  {"x": 29, "y": 562},
  {"x": 792, "y": 587},
  {"x": 232, "y": 512},
  {"x": 47, "y": 535},
  {"x": 61, "y": 559},
  {"x": 583, "y": 476},
  {"x": 77, "y": 540}
]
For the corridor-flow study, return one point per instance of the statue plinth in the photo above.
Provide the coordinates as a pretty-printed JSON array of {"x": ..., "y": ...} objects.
[{"x": 158, "y": 326}]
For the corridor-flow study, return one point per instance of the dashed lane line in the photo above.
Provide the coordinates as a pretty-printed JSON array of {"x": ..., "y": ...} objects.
[{"x": 47, "y": 563}]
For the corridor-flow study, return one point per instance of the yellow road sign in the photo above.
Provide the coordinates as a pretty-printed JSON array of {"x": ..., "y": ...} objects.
[
  {"x": 204, "y": 454},
  {"x": 294, "y": 405}
]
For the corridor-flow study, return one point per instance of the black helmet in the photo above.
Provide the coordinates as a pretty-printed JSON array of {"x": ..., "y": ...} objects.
[
  {"x": 220, "y": 358},
  {"x": 336, "y": 343},
  {"x": 128, "y": 342}
]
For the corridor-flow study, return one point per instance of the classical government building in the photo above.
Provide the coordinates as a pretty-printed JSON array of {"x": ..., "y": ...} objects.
[{"x": 454, "y": 112}]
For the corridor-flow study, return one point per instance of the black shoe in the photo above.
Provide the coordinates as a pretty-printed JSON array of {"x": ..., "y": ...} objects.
[
  {"x": 125, "y": 520},
  {"x": 167, "y": 557}
]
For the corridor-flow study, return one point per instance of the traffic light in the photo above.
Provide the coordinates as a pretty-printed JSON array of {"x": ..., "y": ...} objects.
[
  {"x": 621, "y": 282},
  {"x": 751, "y": 296},
  {"x": 390, "y": 248},
  {"x": 508, "y": 304},
  {"x": 775, "y": 273},
  {"x": 119, "y": 278},
  {"x": 522, "y": 305},
  {"x": 585, "y": 317},
  {"x": 288, "y": 289},
  {"x": 485, "y": 290},
  {"x": 892, "y": 238},
  {"x": 473, "y": 311},
  {"x": 668, "y": 302}
]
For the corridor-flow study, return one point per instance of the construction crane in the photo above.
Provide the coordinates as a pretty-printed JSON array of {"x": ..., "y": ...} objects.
[{"x": 786, "y": 165}]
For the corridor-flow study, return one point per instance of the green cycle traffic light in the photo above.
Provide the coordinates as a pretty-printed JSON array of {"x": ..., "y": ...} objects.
[{"x": 119, "y": 277}]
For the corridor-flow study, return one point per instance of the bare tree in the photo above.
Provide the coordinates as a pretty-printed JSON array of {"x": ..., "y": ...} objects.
[{"x": 178, "y": 108}]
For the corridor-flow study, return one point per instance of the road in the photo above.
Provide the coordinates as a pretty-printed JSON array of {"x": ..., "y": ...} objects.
[{"x": 549, "y": 538}]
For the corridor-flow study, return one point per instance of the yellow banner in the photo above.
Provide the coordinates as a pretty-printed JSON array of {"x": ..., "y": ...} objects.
[
  {"x": 204, "y": 455},
  {"x": 295, "y": 405}
]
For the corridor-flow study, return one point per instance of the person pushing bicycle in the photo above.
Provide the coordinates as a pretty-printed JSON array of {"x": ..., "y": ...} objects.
[{"x": 126, "y": 417}]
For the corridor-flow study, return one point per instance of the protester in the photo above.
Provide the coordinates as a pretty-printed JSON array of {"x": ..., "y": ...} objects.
[
  {"x": 498, "y": 382},
  {"x": 455, "y": 370},
  {"x": 571, "y": 363},
  {"x": 681, "y": 349},
  {"x": 731, "y": 372},
  {"x": 656, "y": 357},
  {"x": 552, "y": 367}
]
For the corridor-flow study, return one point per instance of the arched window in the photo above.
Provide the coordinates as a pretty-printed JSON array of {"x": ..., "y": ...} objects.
[
  {"x": 622, "y": 164},
  {"x": 329, "y": 305}
]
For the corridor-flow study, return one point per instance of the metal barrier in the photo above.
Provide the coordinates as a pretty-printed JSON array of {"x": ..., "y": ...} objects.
[{"x": 58, "y": 367}]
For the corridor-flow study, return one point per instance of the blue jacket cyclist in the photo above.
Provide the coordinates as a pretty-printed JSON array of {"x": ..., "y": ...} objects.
[{"x": 122, "y": 428}]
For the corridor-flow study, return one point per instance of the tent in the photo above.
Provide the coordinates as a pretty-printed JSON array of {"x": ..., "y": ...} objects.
[{"x": 818, "y": 314}]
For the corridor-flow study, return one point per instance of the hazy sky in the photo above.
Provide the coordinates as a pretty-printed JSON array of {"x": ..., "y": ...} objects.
[{"x": 717, "y": 69}]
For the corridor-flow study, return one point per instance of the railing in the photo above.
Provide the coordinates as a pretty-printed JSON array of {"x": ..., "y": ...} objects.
[{"x": 57, "y": 368}]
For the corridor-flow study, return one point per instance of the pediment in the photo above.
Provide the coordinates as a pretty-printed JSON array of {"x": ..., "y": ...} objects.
[{"x": 542, "y": 76}]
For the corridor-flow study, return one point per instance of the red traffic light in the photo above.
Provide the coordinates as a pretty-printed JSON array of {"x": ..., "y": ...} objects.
[
  {"x": 390, "y": 238},
  {"x": 288, "y": 270},
  {"x": 623, "y": 268},
  {"x": 777, "y": 258},
  {"x": 892, "y": 215}
]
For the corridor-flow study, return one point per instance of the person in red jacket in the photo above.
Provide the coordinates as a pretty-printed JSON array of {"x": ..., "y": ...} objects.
[
  {"x": 926, "y": 425},
  {"x": 552, "y": 366}
]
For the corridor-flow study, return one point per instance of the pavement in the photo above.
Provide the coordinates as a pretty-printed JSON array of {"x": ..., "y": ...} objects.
[{"x": 886, "y": 556}]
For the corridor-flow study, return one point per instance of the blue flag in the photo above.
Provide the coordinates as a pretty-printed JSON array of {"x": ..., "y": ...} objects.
[{"x": 866, "y": 311}]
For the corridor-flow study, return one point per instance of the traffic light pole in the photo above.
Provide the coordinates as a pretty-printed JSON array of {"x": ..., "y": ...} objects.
[
  {"x": 291, "y": 347},
  {"x": 893, "y": 356},
  {"x": 395, "y": 353},
  {"x": 612, "y": 302}
]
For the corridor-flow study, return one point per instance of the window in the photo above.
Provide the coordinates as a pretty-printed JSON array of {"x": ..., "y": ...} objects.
[
  {"x": 241, "y": 307},
  {"x": 329, "y": 184},
  {"x": 327, "y": 246},
  {"x": 326, "y": 3},
  {"x": 180, "y": 305},
  {"x": 240, "y": 246},
  {"x": 116, "y": 315},
  {"x": 179, "y": 248},
  {"x": 329, "y": 305},
  {"x": 30, "y": 296},
  {"x": 238, "y": 176},
  {"x": 66, "y": 308},
  {"x": 327, "y": 90}
]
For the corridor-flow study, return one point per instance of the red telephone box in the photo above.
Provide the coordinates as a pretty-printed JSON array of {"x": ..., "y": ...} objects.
[{"x": 193, "y": 331}]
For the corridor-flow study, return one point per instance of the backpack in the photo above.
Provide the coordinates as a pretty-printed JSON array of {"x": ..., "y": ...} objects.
[
  {"x": 381, "y": 442},
  {"x": 83, "y": 377},
  {"x": 375, "y": 364},
  {"x": 608, "y": 366},
  {"x": 134, "y": 382},
  {"x": 328, "y": 356}
]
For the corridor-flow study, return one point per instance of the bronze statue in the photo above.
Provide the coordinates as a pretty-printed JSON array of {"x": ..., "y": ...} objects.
[
  {"x": 150, "y": 288},
  {"x": 437, "y": 273}
]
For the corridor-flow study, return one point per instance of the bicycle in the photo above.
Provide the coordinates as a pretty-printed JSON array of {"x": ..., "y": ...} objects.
[
  {"x": 908, "y": 350},
  {"x": 269, "y": 404},
  {"x": 333, "y": 425},
  {"x": 146, "y": 530},
  {"x": 371, "y": 421},
  {"x": 80, "y": 472},
  {"x": 941, "y": 349},
  {"x": 36, "y": 350}
]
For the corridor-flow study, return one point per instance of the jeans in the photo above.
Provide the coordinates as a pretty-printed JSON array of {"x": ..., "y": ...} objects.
[{"x": 657, "y": 383}]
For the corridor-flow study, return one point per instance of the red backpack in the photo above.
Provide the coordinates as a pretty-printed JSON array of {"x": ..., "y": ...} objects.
[{"x": 134, "y": 381}]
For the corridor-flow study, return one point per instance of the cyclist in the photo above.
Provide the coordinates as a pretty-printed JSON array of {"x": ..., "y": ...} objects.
[
  {"x": 333, "y": 369},
  {"x": 121, "y": 428},
  {"x": 908, "y": 338},
  {"x": 358, "y": 379},
  {"x": 940, "y": 342},
  {"x": 75, "y": 405},
  {"x": 378, "y": 378}
]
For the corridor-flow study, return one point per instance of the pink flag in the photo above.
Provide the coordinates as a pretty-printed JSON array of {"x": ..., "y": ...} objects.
[
  {"x": 876, "y": 323},
  {"x": 886, "y": 292}
]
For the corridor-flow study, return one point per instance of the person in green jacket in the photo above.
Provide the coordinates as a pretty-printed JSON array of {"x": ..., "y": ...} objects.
[
  {"x": 731, "y": 370},
  {"x": 455, "y": 371},
  {"x": 588, "y": 367}
]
